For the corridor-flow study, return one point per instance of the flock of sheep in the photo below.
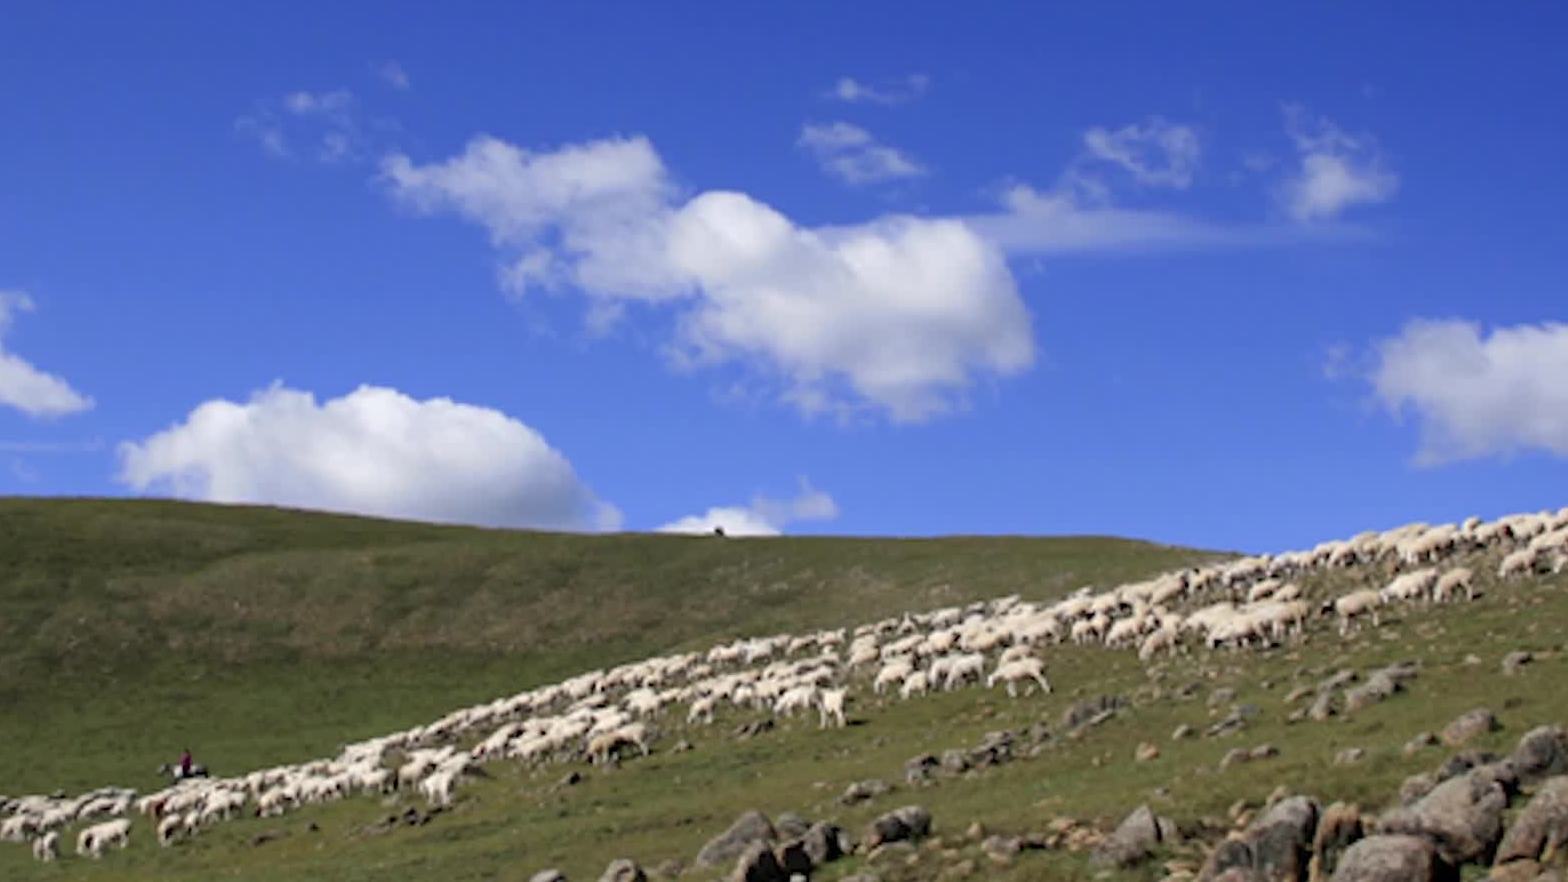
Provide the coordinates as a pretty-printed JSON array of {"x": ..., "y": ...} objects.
[{"x": 603, "y": 716}]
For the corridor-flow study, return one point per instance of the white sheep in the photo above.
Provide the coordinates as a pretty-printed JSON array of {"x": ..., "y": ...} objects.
[
  {"x": 169, "y": 828},
  {"x": 916, "y": 683},
  {"x": 964, "y": 668},
  {"x": 1516, "y": 563},
  {"x": 830, "y": 702},
  {"x": 92, "y": 841},
  {"x": 1356, "y": 604},
  {"x": 1451, "y": 583},
  {"x": 1023, "y": 670}
]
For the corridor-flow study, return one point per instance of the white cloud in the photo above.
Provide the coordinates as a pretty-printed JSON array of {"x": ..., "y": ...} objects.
[
  {"x": 1060, "y": 221},
  {"x": 850, "y": 154},
  {"x": 898, "y": 315},
  {"x": 329, "y": 124},
  {"x": 1477, "y": 395},
  {"x": 1337, "y": 170},
  {"x": 393, "y": 75},
  {"x": 896, "y": 91},
  {"x": 24, "y": 387},
  {"x": 763, "y": 517},
  {"x": 1157, "y": 153},
  {"x": 374, "y": 451}
]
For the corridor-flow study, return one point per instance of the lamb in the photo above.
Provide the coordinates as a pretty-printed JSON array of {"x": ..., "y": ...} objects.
[
  {"x": 1356, "y": 604},
  {"x": 47, "y": 847},
  {"x": 92, "y": 841},
  {"x": 830, "y": 702},
  {"x": 1022, "y": 670}
]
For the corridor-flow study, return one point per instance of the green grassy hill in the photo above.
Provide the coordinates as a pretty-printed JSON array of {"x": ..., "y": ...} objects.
[
  {"x": 129, "y": 629},
  {"x": 262, "y": 636}
]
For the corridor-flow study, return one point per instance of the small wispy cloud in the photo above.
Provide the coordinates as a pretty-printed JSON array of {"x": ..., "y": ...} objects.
[
  {"x": 852, "y": 155},
  {"x": 900, "y": 90},
  {"x": 1155, "y": 152},
  {"x": 765, "y": 516},
  {"x": 1337, "y": 170},
  {"x": 393, "y": 75},
  {"x": 328, "y": 126}
]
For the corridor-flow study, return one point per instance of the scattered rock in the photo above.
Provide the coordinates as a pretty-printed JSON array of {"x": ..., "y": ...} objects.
[
  {"x": 976, "y": 832},
  {"x": 1515, "y": 661},
  {"x": 1001, "y": 849},
  {"x": 623, "y": 870},
  {"x": 1393, "y": 859},
  {"x": 754, "y": 728},
  {"x": 682, "y": 746},
  {"x": 1298, "y": 693},
  {"x": 860, "y": 791},
  {"x": 919, "y": 768},
  {"x": 1282, "y": 839},
  {"x": 1322, "y": 707},
  {"x": 1349, "y": 756},
  {"x": 1136, "y": 838},
  {"x": 954, "y": 762},
  {"x": 790, "y": 825},
  {"x": 1338, "y": 680},
  {"x": 1413, "y": 788},
  {"x": 909, "y": 822},
  {"x": 1183, "y": 731},
  {"x": 1541, "y": 827},
  {"x": 571, "y": 779},
  {"x": 1420, "y": 742},
  {"x": 1542, "y": 752},
  {"x": 751, "y": 827},
  {"x": 1235, "y": 756},
  {"x": 265, "y": 837},
  {"x": 893, "y": 853},
  {"x": 1222, "y": 696},
  {"x": 551, "y": 875},
  {"x": 1263, "y": 751},
  {"x": 1091, "y": 712},
  {"x": 1146, "y": 752},
  {"x": 1469, "y": 726}
]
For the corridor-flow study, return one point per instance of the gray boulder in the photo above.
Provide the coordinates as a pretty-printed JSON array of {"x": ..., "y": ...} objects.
[
  {"x": 1462, "y": 816},
  {"x": 1282, "y": 839},
  {"x": 1541, "y": 827},
  {"x": 753, "y": 826},
  {"x": 1469, "y": 726},
  {"x": 1393, "y": 859},
  {"x": 789, "y": 825},
  {"x": 1136, "y": 838},
  {"x": 899, "y": 825},
  {"x": 1542, "y": 753}
]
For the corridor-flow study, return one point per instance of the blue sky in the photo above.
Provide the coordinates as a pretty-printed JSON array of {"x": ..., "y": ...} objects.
[{"x": 1238, "y": 276}]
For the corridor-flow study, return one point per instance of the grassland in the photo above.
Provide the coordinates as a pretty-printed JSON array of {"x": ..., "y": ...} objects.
[{"x": 290, "y": 684}]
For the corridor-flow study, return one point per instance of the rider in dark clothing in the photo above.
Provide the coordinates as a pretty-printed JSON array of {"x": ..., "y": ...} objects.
[{"x": 185, "y": 763}]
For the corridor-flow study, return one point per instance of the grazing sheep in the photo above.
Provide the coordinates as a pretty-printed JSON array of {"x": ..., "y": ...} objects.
[
  {"x": 917, "y": 683},
  {"x": 47, "y": 847},
  {"x": 963, "y": 669},
  {"x": 1015, "y": 672},
  {"x": 891, "y": 673},
  {"x": 1356, "y": 604},
  {"x": 1451, "y": 583},
  {"x": 1517, "y": 563},
  {"x": 92, "y": 841},
  {"x": 169, "y": 828}
]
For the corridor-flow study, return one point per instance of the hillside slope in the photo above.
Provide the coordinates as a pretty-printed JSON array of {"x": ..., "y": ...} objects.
[{"x": 129, "y": 628}]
